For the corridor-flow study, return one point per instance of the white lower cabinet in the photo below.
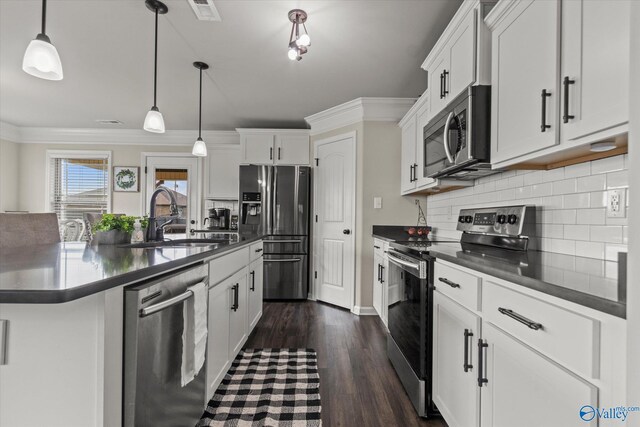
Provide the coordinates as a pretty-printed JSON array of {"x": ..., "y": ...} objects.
[
  {"x": 526, "y": 389},
  {"x": 218, "y": 340},
  {"x": 255, "y": 292},
  {"x": 455, "y": 390},
  {"x": 380, "y": 278},
  {"x": 238, "y": 316}
]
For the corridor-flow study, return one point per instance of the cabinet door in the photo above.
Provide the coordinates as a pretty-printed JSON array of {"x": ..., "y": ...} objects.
[
  {"x": 218, "y": 339},
  {"x": 377, "y": 284},
  {"x": 255, "y": 292},
  {"x": 385, "y": 289},
  {"x": 292, "y": 150},
  {"x": 462, "y": 55},
  {"x": 257, "y": 148},
  {"x": 238, "y": 327},
  {"x": 455, "y": 388},
  {"x": 524, "y": 63},
  {"x": 437, "y": 82},
  {"x": 595, "y": 57},
  {"x": 521, "y": 382},
  {"x": 423, "y": 116},
  {"x": 408, "y": 156},
  {"x": 222, "y": 173}
]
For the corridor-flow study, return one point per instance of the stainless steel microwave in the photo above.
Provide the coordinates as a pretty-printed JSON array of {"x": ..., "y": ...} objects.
[{"x": 457, "y": 142}]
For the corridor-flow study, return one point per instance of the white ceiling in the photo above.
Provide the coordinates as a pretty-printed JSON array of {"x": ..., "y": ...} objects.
[{"x": 359, "y": 48}]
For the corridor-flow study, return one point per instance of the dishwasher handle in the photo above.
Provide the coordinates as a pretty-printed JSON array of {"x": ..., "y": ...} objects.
[{"x": 144, "y": 312}]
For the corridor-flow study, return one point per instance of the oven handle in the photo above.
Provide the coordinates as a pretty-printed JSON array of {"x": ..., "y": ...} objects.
[
  {"x": 396, "y": 260},
  {"x": 446, "y": 139}
]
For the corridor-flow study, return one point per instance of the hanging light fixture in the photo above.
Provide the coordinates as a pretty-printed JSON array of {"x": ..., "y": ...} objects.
[
  {"x": 299, "y": 42},
  {"x": 41, "y": 58},
  {"x": 154, "y": 122},
  {"x": 199, "y": 147}
]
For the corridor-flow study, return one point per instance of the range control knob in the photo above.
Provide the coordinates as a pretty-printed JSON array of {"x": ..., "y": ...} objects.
[
  {"x": 502, "y": 219},
  {"x": 512, "y": 219},
  {"x": 461, "y": 219},
  {"x": 468, "y": 219}
]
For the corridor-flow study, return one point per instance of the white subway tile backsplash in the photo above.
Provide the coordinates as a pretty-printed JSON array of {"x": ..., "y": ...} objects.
[
  {"x": 570, "y": 206},
  {"x": 612, "y": 250}
]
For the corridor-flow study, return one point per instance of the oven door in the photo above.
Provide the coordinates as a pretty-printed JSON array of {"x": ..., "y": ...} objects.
[{"x": 407, "y": 308}]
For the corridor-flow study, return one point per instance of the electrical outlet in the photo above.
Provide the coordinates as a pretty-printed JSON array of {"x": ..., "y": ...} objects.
[
  {"x": 616, "y": 204},
  {"x": 377, "y": 203}
]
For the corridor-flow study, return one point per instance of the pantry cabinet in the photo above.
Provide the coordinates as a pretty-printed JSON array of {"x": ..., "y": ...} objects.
[
  {"x": 560, "y": 78},
  {"x": 274, "y": 146}
]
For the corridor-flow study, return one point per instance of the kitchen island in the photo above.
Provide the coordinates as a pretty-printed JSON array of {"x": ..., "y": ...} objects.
[{"x": 61, "y": 314}]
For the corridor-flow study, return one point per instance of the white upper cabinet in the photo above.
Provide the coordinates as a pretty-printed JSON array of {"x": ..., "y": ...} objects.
[
  {"x": 408, "y": 156},
  {"x": 438, "y": 81},
  {"x": 274, "y": 146},
  {"x": 222, "y": 172},
  {"x": 577, "y": 52},
  {"x": 422, "y": 116},
  {"x": 595, "y": 67},
  {"x": 524, "y": 94}
]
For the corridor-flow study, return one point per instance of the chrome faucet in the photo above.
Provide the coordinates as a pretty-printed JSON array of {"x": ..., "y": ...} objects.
[{"x": 155, "y": 232}]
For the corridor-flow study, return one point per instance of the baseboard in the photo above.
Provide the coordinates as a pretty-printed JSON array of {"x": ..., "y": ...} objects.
[{"x": 364, "y": 311}]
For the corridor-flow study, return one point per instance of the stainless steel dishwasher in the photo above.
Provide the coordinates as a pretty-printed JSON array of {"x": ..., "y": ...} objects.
[{"x": 153, "y": 322}]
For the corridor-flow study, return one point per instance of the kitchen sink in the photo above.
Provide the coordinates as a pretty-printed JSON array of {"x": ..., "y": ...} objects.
[{"x": 177, "y": 243}]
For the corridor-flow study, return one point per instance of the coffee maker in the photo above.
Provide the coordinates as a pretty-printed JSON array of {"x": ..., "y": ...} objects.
[{"x": 218, "y": 219}]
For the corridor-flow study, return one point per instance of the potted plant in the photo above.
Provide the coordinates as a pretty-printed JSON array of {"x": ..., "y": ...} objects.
[{"x": 116, "y": 229}]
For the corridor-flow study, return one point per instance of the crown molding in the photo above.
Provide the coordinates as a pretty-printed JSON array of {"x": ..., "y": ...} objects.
[
  {"x": 499, "y": 13},
  {"x": 359, "y": 110},
  {"x": 273, "y": 131},
  {"x": 41, "y": 135}
]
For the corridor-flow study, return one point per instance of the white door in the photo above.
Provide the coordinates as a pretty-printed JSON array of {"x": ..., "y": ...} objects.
[
  {"x": 521, "y": 380},
  {"x": 181, "y": 175},
  {"x": 334, "y": 231},
  {"x": 455, "y": 335},
  {"x": 595, "y": 66},
  {"x": 408, "y": 157},
  {"x": 524, "y": 63},
  {"x": 292, "y": 150}
]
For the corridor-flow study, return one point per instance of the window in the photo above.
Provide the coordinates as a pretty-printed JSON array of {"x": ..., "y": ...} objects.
[{"x": 78, "y": 183}]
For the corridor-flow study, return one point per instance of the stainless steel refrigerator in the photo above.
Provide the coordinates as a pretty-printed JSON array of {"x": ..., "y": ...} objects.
[{"x": 274, "y": 200}]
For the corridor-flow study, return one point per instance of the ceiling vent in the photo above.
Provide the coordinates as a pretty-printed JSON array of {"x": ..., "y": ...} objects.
[
  {"x": 109, "y": 122},
  {"x": 205, "y": 10}
]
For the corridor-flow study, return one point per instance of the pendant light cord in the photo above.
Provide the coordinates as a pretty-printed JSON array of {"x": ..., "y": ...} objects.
[
  {"x": 200, "y": 108},
  {"x": 155, "y": 63},
  {"x": 44, "y": 15}
]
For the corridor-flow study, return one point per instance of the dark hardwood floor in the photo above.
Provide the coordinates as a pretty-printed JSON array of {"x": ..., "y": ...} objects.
[{"x": 358, "y": 385}]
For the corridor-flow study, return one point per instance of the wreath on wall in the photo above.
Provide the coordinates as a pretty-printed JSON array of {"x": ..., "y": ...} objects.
[{"x": 126, "y": 179}]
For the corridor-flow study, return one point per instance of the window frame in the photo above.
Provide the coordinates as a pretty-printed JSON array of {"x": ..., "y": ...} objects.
[{"x": 77, "y": 154}]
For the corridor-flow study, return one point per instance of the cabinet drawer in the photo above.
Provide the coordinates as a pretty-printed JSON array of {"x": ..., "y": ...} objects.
[
  {"x": 255, "y": 251},
  {"x": 567, "y": 337},
  {"x": 379, "y": 247},
  {"x": 462, "y": 287},
  {"x": 227, "y": 264}
]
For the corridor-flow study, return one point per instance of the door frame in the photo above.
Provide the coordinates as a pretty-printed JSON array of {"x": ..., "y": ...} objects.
[
  {"x": 313, "y": 294},
  {"x": 199, "y": 180}
]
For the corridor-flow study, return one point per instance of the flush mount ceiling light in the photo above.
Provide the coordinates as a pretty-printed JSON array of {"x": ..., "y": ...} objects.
[
  {"x": 199, "y": 147},
  {"x": 154, "y": 122},
  {"x": 599, "y": 147},
  {"x": 299, "y": 42},
  {"x": 41, "y": 58}
]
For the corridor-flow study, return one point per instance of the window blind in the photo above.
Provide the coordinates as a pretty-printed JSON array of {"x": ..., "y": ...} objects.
[{"x": 79, "y": 185}]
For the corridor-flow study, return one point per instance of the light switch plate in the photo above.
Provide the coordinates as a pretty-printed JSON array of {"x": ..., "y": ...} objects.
[
  {"x": 377, "y": 203},
  {"x": 616, "y": 204}
]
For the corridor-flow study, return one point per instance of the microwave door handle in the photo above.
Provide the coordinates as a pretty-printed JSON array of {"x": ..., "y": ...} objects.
[{"x": 446, "y": 139}]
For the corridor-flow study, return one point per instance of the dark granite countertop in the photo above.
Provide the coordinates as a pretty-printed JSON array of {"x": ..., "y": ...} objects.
[
  {"x": 56, "y": 273},
  {"x": 593, "y": 283}
]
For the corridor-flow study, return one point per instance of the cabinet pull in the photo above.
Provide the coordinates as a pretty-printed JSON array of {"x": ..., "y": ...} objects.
[
  {"x": 235, "y": 306},
  {"x": 279, "y": 151},
  {"x": 449, "y": 282},
  {"x": 381, "y": 274},
  {"x": 270, "y": 153},
  {"x": 467, "y": 334},
  {"x": 543, "y": 125},
  {"x": 253, "y": 281},
  {"x": 378, "y": 273},
  {"x": 445, "y": 92},
  {"x": 258, "y": 250},
  {"x": 481, "y": 375},
  {"x": 441, "y": 85},
  {"x": 520, "y": 318},
  {"x": 4, "y": 341},
  {"x": 410, "y": 173},
  {"x": 415, "y": 171},
  {"x": 566, "y": 82},
  {"x": 376, "y": 246}
]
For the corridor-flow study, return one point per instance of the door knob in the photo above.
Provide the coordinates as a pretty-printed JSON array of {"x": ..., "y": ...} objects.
[{"x": 346, "y": 231}]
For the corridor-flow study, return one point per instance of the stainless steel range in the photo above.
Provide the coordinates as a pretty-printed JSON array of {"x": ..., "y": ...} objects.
[{"x": 411, "y": 284}]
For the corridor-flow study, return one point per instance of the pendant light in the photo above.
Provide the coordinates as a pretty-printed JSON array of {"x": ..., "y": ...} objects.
[
  {"x": 298, "y": 43},
  {"x": 41, "y": 58},
  {"x": 154, "y": 122},
  {"x": 199, "y": 147}
]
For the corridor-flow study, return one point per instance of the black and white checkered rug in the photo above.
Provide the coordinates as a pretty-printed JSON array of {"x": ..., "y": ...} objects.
[{"x": 268, "y": 387}]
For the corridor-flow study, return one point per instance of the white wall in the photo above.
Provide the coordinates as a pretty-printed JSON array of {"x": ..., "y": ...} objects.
[
  {"x": 570, "y": 201},
  {"x": 9, "y": 157}
]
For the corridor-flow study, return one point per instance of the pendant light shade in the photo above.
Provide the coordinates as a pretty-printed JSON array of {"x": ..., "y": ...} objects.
[
  {"x": 41, "y": 58},
  {"x": 199, "y": 147},
  {"x": 154, "y": 122}
]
